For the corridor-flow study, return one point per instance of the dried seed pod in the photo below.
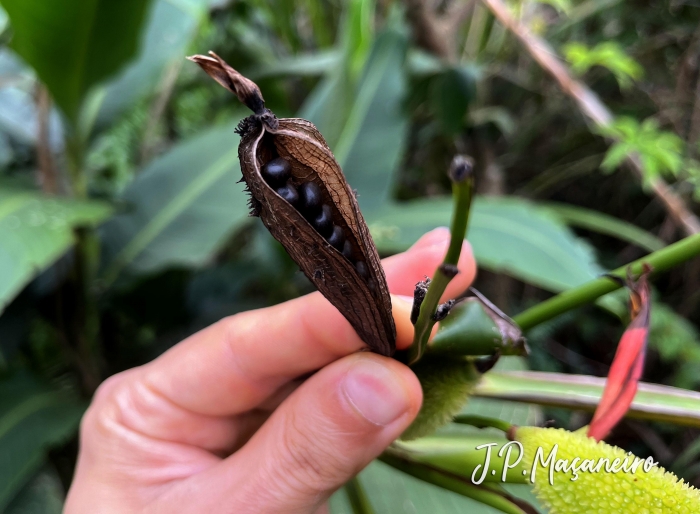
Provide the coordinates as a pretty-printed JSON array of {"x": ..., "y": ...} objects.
[{"x": 363, "y": 300}]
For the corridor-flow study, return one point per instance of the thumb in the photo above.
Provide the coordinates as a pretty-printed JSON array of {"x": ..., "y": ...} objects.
[{"x": 323, "y": 434}]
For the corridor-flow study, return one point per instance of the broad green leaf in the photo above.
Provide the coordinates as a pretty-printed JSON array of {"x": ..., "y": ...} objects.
[
  {"x": 33, "y": 418},
  {"x": 18, "y": 111},
  {"x": 313, "y": 64},
  {"x": 364, "y": 125},
  {"x": 179, "y": 209},
  {"x": 390, "y": 490},
  {"x": 509, "y": 235},
  {"x": 42, "y": 495},
  {"x": 74, "y": 45},
  {"x": 452, "y": 92},
  {"x": 166, "y": 37},
  {"x": 372, "y": 140},
  {"x": 604, "y": 224},
  {"x": 35, "y": 231},
  {"x": 328, "y": 106},
  {"x": 582, "y": 392}
]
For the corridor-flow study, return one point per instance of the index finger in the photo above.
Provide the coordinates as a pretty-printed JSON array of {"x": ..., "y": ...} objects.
[{"x": 235, "y": 364}]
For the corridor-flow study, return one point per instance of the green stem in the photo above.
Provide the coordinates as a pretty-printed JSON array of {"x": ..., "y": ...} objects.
[
  {"x": 451, "y": 482},
  {"x": 462, "y": 192},
  {"x": 358, "y": 498},
  {"x": 482, "y": 422},
  {"x": 661, "y": 260}
]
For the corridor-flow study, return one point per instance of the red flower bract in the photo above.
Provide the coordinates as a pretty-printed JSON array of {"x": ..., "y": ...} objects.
[{"x": 628, "y": 364}]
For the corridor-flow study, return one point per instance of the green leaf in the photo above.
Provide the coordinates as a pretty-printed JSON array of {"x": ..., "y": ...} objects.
[
  {"x": 452, "y": 92},
  {"x": 509, "y": 235},
  {"x": 390, "y": 490},
  {"x": 366, "y": 129},
  {"x": 604, "y": 224},
  {"x": 328, "y": 106},
  {"x": 582, "y": 392},
  {"x": 166, "y": 37},
  {"x": 372, "y": 140},
  {"x": 303, "y": 65},
  {"x": 43, "y": 495},
  {"x": 180, "y": 208},
  {"x": 659, "y": 151},
  {"x": 33, "y": 418},
  {"x": 74, "y": 45},
  {"x": 35, "y": 231},
  {"x": 609, "y": 55}
]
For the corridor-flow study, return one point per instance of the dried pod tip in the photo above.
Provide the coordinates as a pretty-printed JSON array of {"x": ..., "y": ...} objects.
[
  {"x": 245, "y": 89},
  {"x": 462, "y": 168}
]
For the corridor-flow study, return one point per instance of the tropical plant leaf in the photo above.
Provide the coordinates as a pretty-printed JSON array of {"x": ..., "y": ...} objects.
[
  {"x": 366, "y": 129},
  {"x": 35, "y": 231},
  {"x": 42, "y": 495},
  {"x": 390, "y": 490},
  {"x": 328, "y": 105},
  {"x": 166, "y": 37},
  {"x": 179, "y": 209},
  {"x": 509, "y": 235},
  {"x": 74, "y": 45},
  {"x": 33, "y": 417},
  {"x": 373, "y": 138},
  {"x": 312, "y": 65},
  {"x": 453, "y": 90},
  {"x": 605, "y": 224},
  {"x": 582, "y": 392}
]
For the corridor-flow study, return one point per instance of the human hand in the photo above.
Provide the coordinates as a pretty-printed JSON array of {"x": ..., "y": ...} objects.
[{"x": 223, "y": 423}]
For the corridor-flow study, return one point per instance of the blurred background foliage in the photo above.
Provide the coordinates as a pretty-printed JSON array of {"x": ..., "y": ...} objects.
[{"x": 123, "y": 228}]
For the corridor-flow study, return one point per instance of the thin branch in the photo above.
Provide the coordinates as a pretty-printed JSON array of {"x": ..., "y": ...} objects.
[
  {"x": 661, "y": 260},
  {"x": 47, "y": 169},
  {"x": 591, "y": 106}
]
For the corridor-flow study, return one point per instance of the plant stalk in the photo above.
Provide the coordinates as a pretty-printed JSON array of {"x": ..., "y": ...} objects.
[
  {"x": 457, "y": 484},
  {"x": 661, "y": 260},
  {"x": 461, "y": 172},
  {"x": 357, "y": 497},
  {"x": 482, "y": 422}
]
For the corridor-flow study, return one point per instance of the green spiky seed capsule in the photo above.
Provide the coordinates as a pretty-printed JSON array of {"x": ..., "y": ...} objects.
[
  {"x": 603, "y": 492},
  {"x": 446, "y": 383}
]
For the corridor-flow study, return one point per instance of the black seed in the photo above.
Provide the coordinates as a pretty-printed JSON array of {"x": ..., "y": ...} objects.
[
  {"x": 347, "y": 250},
  {"x": 276, "y": 172},
  {"x": 324, "y": 221},
  {"x": 289, "y": 193},
  {"x": 361, "y": 268},
  {"x": 372, "y": 285},
  {"x": 337, "y": 238},
  {"x": 311, "y": 199}
]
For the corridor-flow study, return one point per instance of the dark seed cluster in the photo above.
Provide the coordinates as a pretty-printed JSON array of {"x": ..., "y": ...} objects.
[{"x": 308, "y": 200}]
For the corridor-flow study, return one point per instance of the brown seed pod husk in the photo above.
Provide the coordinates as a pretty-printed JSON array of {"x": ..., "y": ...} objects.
[{"x": 364, "y": 301}]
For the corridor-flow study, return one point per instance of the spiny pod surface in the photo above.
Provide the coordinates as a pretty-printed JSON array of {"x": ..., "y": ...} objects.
[{"x": 300, "y": 193}]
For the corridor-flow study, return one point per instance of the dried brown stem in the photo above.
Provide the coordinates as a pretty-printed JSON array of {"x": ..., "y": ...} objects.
[
  {"x": 592, "y": 107},
  {"x": 47, "y": 170}
]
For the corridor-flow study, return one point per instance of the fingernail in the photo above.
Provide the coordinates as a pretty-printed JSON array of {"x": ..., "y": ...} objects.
[{"x": 375, "y": 392}]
